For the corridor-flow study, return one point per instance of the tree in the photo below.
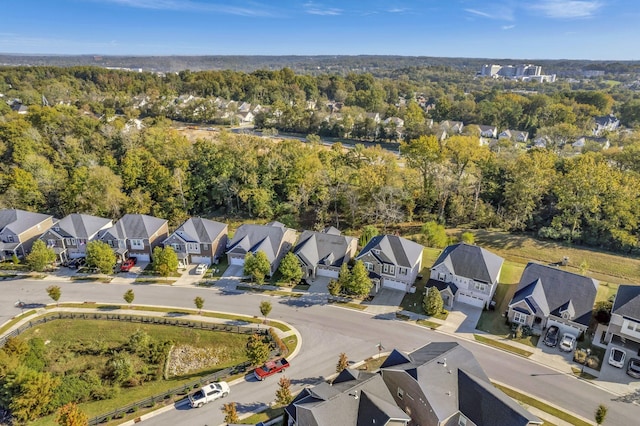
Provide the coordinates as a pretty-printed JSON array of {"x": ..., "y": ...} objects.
[
  {"x": 40, "y": 257},
  {"x": 199, "y": 302},
  {"x": 265, "y": 309},
  {"x": 368, "y": 232},
  {"x": 100, "y": 255},
  {"x": 435, "y": 234},
  {"x": 283, "y": 393},
  {"x": 129, "y": 296},
  {"x": 360, "y": 284},
  {"x": 468, "y": 237},
  {"x": 71, "y": 415},
  {"x": 343, "y": 363},
  {"x": 257, "y": 265},
  {"x": 432, "y": 302},
  {"x": 54, "y": 293},
  {"x": 600, "y": 414},
  {"x": 290, "y": 268},
  {"x": 230, "y": 413},
  {"x": 257, "y": 351},
  {"x": 165, "y": 260},
  {"x": 334, "y": 287}
]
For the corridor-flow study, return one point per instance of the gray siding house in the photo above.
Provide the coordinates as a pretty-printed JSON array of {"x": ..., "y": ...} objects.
[
  {"x": 19, "y": 229},
  {"x": 69, "y": 236},
  {"x": 323, "y": 253},
  {"x": 548, "y": 296},
  {"x": 199, "y": 241},
  {"x": 274, "y": 239},
  {"x": 136, "y": 235},
  {"x": 466, "y": 273},
  {"x": 393, "y": 262},
  {"x": 625, "y": 316}
]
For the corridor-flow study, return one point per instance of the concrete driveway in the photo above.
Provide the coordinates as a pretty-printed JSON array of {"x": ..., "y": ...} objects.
[
  {"x": 234, "y": 272},
  {"x": 387, "y": 300},
  {"x": 617, "y": 378},
  {"x": 319, "y": 285},
  {"x": 462, "y": 318}
]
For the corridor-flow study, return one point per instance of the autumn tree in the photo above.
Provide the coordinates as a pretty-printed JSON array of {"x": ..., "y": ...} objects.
[
  {"x": 368, "y": 232},
  {"x": 54, "y": 292},
  {"x": 283, "y": 393},
  {"x": 40, "y": 256},
  {"x": 70, "y": 415},
  {"x": 290, "y": 268},
  {"x": 257, "y": 351},
  {"x": 100, "y": 255},
  {"x": 257, "y": 265},
  {"x": 343, "y": 363}
]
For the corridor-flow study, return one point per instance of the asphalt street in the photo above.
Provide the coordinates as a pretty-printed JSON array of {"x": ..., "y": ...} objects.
[{"x": 326, "y": 331}]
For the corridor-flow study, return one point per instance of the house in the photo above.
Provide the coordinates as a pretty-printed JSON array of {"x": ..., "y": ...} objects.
[
  {"x": 198, "y": 240},
  {"x": 244, "y": 107},
  {"x": 393, "y": 262},
  {"x": 323, "y": 253},
  {"x": 354, "y": 398},
  {"x": 375, "y": 116},
  {"x": 19, "y": 229},
  {"x": 583, "y": 141},
  {"x": 541, "y": 142},
  {"x": 136, "y": 235},
  {"x": 442, "y": 384},
  {"x": 487, "y": 131},
  {"x": 514, "y": 135},
  {"x": 625, "y": 316},
  {"x": 466, "y": 273},
  {"x": 69, "y": 236},
  {"x": 245, "y": 117},
  {"x": 550, "y": 296},
  {"x": 274, "y": 239},
  {"x": 606, "y": 123},
  {"x": 451, "y": 126}
]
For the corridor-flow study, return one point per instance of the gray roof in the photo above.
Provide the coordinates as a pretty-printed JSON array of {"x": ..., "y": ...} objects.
[
  {"x": 453, "y": 381},
  {"x": 78, "y": 225},
  {"x": 19, "y": 221},
  {"x": 136, "y": 226},
  {"x": 354, "y": 398},
  {"x": 627, "y": 303},
  {"x": 394, "y": 250},
  {"x": 199, "y": 230},
  {"x": 252, "y": 238},
  {"x": 559, "y": 287},
  {"x": 534, "y": 297},
  {"x": 324, "y": 248},
  {"x": 471, "y": 261}
]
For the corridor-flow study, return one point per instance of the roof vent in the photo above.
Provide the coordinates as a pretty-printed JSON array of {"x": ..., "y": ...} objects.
[
  {"x": 443, "y": 362},
  {"x": 354, "y": 394},
  {"x": 448, "y": 393}
]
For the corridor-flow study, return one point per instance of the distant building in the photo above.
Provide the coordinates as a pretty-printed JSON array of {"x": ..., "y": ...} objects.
[{"x": 524, "y": 72}]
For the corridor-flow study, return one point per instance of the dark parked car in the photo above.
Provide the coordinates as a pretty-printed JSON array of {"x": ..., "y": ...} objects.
[
  {"x": 633, "y": 368},
  {"x": 551, "y": 337}
]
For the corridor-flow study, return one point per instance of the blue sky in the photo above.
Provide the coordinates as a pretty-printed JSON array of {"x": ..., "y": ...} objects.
[{"x": 519, "y": 29}]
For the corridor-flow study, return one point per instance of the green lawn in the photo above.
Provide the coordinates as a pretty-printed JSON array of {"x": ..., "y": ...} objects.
[
  {"x": 263, "y": 416},
  {"x": 502, "y": 345}
]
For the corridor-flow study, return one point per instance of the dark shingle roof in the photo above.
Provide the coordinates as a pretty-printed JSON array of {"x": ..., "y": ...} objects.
[
  {"x": 252, "y": 238},
  {"x": 627, "y": 303},
  {"x": 316, "y": 248},
  {"x": 559, "y": 287},
  {"x": 18, "y": 221},
  {"x": 78, "y": 225},
  {"x": 471, "y": 261},
  {"x": 441, "y": 285},
  {"x": 394, "y": 250},
  {"x": 199, "y": 230},
  {"x": 136, "y": 226}
]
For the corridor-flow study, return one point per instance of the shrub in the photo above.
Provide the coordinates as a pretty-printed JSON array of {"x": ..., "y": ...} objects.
[
  {"x": 334, "y": 288},
  {"x": 592, "y": 361},
  {"x": 277, "y": 341},
  {"x": 580, "y": 356}
]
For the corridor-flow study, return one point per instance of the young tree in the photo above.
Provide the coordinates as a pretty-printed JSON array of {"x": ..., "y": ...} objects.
[
  {"x": 435, "y": 234},
  {"x": 283, "y": 393},
  {"x": 334, "y": 287},
  {"x": 265, "y": 309},
  {"x": 343, "y": 363},
  {"x": 432, "y": 302},
  {"x": 199, "y": 302},
  {"x": 101, "y": 256},
  {"x": 257, "y": 265},
  {"x": 360, "y": 284},
  {"x": 368, "y": 232},
  {"x": 54, "y": 293},
  {"x": 230, "y": 413},
  {"x": 165, "y": 260},
  {"x": 129, "y": 296},
  {"x": 257, "y": 351},
  {"x": 344, "y": 277},
  {"x": 71, "y": 415},
  {"x": 290, "y": 268},
  {"x": 468, "y": 237},
  {"x": 40, "y": 257},
  {"x": 600, "y": 414}
]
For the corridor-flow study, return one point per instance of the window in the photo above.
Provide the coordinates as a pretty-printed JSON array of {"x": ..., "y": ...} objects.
[
  {"x": 175, "y": 247},
  {"x": 205, "y": 247},
  {"x": 392, "y": 269},
  {"x": 400, "y": 393},
  {"x": 137, "y": 244},
  {"x": 71, "y": 241},
  {"x": 9, "y": 238},
  {"x": 402, "y": 271},
  {"x": 385, "y": 268},
  {"x": 462, "y": 420},
  {"x": 481, "y": 287},
  {"x": 520, "y": 318},
  {"x": 441, "y": 276},
  {"x": 51, "y": 243},
  {"x": 369, "y": 266},
  {"x": 192, "y": 246},
  {"x": 376, "y": 251}
]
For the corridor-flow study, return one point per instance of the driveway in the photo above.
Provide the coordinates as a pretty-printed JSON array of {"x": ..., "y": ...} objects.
[
  {"x": 319, "y": 285},
  {"x": 387, "y": 300},
  {"x": 234, "y": 272},
  {"x": 462, "y": 318}
]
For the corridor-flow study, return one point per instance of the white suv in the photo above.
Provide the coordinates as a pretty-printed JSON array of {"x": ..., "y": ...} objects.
[
  {"x": 617, "y": 357},
  {"x": 201, "y": 269}
]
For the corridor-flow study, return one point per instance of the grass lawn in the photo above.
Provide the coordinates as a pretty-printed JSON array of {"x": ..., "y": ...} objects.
[
  {"x": 532, "y": 402},
  {"x": 373, "y": 363},
  {"x": 350, "y": 305},
  {"x": 606, "y": 291},
  {"x": 268, "y": 291},
  {"x": 269, "y": 413},
  {"x": 492, "y": 321},
  {"x": 428, "y": 324},
  {"x": 501, "y": 345},
  {"x": 155, "y": 280},
  {"x": 102, "y": 279}
]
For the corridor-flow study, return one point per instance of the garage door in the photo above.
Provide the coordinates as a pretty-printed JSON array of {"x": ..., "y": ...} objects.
[
  {"x": 327, "y": 273},
  {"x": 470, "y": 300},
  {"x": 236, "y": 261},
  {"x": 201, "y": 259},
  {"x": 396, "y": 285},
  {"x": 142, "y": 257},
  {"x": 564, "y": 328}
]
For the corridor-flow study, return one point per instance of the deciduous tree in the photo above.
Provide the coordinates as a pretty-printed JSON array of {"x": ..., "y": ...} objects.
[
  {"x": 40, "y": 256},
  {"x": 265, "y": 309},
  {"x": 290, "y": 268},
  {"x": 199, "y": 302},
  {"x": 283, "y": 393},
  {"x": 100, "y": 255},
  {"x": 257, "y": 351},
  {"x": 257, "y": 265},
  {"x": 433, "y": 302},
  {"x": 54, "y": 292},
  {"x": 165, "y": 260},
  {"x": 129, "y": 296},
  {"x": 230, "y": 413},
  {"x": 343, "y": 363},
  {"x": 70, "y": 415},
  {"x": 360, "y": 284}
]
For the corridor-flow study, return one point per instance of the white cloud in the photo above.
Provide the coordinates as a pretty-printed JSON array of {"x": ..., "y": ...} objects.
[
  {"x": 192, "y": 6},
  {"x": 397, "y": 10},
  {"x": 501, "y": 12},
  {"x": 319, "y": 9},
  {"x": 479, "y": 13},
  {"x": 567, "y": 9},
  {"x": 508, "y": 27}
]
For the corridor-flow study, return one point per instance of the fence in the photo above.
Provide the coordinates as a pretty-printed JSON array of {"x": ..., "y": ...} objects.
[{"x": 167, "y": 396}]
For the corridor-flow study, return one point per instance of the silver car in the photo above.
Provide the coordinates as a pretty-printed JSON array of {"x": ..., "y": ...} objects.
[{"x": 568, "y": 342}]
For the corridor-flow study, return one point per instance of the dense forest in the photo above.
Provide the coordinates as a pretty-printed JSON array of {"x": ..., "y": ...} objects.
[{"x": 85, "y": 153}]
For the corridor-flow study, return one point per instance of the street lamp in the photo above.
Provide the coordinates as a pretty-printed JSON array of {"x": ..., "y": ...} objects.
[{"x": 380, "y": 349}]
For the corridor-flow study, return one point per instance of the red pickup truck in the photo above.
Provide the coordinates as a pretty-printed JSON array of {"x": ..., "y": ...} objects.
[{"x": 270, "y": 368}]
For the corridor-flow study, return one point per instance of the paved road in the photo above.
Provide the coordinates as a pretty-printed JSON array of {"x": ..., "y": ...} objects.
[{"x": 326, "y": 331}]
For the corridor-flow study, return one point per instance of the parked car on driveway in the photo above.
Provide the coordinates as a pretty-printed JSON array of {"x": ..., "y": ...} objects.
[
  {"x": 551, "y": 337},
  {"x": 568, "y": 342},
  {"x": 617, "y": 357},
  {"x": 128, "y": 264},
  {"x": 633, "y": 368},
  {"x": 201, "y": 269},
  {"x": 208, "y": 393}
]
